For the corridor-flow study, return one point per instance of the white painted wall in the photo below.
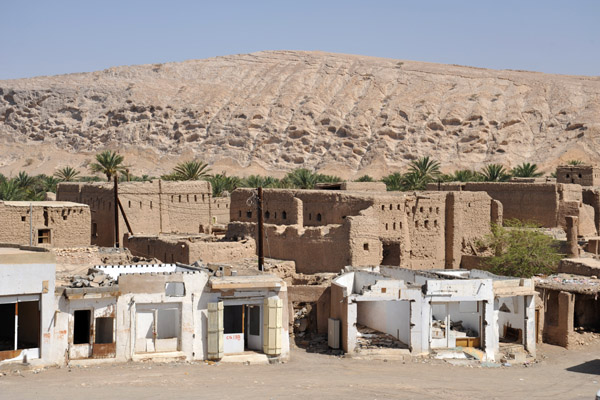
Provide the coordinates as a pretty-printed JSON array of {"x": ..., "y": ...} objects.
[
  {"x": 515, "y": 318},
  {"x": 391, "y": 317},
  {"x": 469, "y": 319},
  {"x": 20, "y": 279}
]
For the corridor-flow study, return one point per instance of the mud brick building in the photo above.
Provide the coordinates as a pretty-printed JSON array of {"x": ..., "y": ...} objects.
[
  {"x": 326, "y": 230},
  {"x": 45, "y": 223},
  {"x": 153, "y": 207}
]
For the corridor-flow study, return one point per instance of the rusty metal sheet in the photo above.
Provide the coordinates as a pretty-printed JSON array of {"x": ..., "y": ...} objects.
[
  {"x": 8, "y": 354},
  {"x": 104, "y": 350}
]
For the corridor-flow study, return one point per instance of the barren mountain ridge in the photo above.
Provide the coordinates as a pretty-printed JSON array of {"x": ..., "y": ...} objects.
[{"x": 273, "y": 111}]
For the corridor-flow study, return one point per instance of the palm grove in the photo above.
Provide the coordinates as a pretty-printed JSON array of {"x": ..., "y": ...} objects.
[{"x": 521, "y": 249}]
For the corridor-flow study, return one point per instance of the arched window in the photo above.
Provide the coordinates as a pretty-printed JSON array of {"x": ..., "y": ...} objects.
[
  {"x": 284, "y": 215},
  {"x": 267, "y": 214},
  {"x": 319, "y": 217}
]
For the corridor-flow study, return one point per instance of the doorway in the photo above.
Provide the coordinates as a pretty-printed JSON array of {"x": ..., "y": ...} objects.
[
  {"x": 242, "y": 328},
  {"x": 19, "y": 327}
]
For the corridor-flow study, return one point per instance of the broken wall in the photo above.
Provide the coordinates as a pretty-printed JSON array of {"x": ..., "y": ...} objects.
[{"x": 188, "y": 250}]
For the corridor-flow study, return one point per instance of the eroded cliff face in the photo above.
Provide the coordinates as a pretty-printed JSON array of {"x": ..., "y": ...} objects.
[{"x": 274, "y": 111}]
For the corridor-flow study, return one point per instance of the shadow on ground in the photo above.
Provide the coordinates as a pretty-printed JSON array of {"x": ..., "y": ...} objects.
[{"x": 589, "y": 367}]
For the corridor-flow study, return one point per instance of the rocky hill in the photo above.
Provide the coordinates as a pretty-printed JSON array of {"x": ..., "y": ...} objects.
[{"x": 273, "y": 111}]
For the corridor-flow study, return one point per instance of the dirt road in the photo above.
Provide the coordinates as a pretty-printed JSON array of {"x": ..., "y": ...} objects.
[{"x": 560, "y": 375}]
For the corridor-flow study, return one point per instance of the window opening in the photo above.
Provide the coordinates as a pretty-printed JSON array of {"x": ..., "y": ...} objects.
[
  {"x": 175, "y": 289},
  {"x": 232, "y": 319},
  {"x": 43, "y": 236},
  {"x": 104, "y": 330}
]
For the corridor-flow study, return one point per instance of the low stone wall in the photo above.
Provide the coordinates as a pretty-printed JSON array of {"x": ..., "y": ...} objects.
[{"x": 579, "y": 266}]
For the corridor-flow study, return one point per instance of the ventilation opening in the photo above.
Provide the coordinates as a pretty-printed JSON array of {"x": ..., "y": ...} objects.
[{"x": 366, "y": 246}]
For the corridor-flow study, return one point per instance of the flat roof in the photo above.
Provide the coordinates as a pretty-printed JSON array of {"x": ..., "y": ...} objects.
[
  {"x": 24, "y": 255},
  {"x": 246, "y": 282},
  {"x": 43, "y": 204}
]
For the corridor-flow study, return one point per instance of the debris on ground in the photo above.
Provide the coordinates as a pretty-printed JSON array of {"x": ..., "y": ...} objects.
[{"x": 368, "y": 338}]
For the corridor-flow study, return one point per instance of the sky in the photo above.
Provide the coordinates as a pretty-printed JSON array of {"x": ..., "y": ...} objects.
[{"x": 57, "y": 37}]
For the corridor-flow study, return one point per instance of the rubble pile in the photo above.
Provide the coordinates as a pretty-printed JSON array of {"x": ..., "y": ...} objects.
[
  {"x": 368, "y": 338},
  {"x": 569, "y": 282},
  {"x": 94, "y": 279},
  {"x": 457, "y": 326},
  {"x": 439, "y": 329},
  {"x": 302, "y": 319}
]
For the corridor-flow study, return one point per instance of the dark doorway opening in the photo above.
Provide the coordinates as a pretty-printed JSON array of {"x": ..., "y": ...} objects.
[
  {"x": 81, "y": 326},
  {"x": 391, "y": 254},
  {"x": 28, "y": 331},
  {"x": 7, "y": 326},
  {"x": 104, "y": 330}
]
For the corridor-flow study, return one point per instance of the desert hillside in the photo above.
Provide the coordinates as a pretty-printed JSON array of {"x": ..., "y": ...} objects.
[{"x": 273, "y": 111}]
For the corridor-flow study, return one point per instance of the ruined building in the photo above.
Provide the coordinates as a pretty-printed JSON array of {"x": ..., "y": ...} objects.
[
  {"x": 324, "y": 231},
  {"x": 545, "y": 203},
  {"x": 420, "y": 312},
  {"x": 137, "y": 312},
  {"x": 153, "y": 207},
  {"x": 45, "y": 223}
]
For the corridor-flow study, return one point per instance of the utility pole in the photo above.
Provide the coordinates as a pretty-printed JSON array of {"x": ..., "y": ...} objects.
[
  {"x": 116, "y": 212},
  {"x": 30, "y": 224},
  {"x": 261, "y": 256}
]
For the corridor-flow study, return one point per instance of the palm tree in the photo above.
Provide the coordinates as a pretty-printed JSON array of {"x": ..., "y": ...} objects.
[
  {"x": 494, "y": 173},
  {"x": 302, "y": 178},
  {"x": 44, "y": 183},
  {"x": 10, "y": 190},
  {"x": 255, "y": 181},
  {"x": 425, "y": 169},
  {"x": 526, "y": 170},
  {"x": 393, "y": 181},
  {"x": 414, "y": 181},
  {"x": 191, "y": 170},
  {"x": 66, "y": 174},
  {"x": 108, "y": 163},
  {"x": 23, "y": 180},
  {"x": 222, "y": 183},
  {"x": 328, "y": 178},
  {"x": 365, "y": 178},
  {"x": 463, "y": 175}
]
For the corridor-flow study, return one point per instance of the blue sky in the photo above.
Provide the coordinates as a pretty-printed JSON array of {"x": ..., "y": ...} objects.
[{"x": 55, "y": 37}]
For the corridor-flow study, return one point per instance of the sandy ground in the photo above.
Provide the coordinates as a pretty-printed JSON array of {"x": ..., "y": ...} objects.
[{"x": 560, "y": 374}]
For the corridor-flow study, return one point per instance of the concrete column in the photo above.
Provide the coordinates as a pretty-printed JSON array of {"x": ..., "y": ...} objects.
[
  {"x": 530, "y": 334},
  {"x": 572, "y": 232},
  {"x": 490, "y": 328}
]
